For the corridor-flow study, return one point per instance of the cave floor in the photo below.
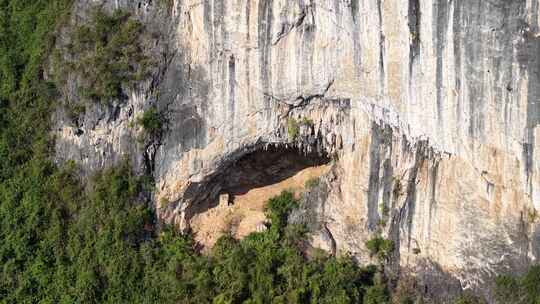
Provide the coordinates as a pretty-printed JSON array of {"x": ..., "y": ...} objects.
[{"x": 245, "y": 212}]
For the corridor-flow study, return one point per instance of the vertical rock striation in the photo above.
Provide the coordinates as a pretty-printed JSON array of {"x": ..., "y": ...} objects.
[{"x": 430, "y": 108}]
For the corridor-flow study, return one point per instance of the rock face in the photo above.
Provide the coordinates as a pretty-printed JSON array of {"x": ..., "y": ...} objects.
[{"x": 429, "y": 110}]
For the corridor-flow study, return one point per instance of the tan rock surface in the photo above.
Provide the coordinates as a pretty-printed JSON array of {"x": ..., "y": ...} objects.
[
  {"x": 246, "y": 212},
  {"x": 430, "y": 108}
]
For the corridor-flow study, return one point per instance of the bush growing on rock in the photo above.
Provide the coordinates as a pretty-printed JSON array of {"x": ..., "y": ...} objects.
[
  {"x": 151, "y": 121},
  {"x": 307, "y": 122},
  {"x": 469, "y": 298},
  {"x": 108, "y": 55},
  {"x": 380, "y": 247},
  {"x": 62, "y": 243},
  {"x": 507, "y": 289},
  {"x": 293, "y": 128},
  {"x": 524, "y": 289},
  {"x": 376, "y": 295}
]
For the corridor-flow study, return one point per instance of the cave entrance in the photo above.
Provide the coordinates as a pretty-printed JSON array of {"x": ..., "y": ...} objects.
[{"x": 246, "y": 185}]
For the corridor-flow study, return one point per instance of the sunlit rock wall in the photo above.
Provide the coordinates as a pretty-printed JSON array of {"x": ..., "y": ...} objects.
[{"x": 430, "y": 109}]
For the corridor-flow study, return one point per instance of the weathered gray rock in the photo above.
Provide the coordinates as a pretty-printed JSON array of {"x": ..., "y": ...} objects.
[
  {"x": 107, "y": 133},
  {"x": 430, "y": 108}
]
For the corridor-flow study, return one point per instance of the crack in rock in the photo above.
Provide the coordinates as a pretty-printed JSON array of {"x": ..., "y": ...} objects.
[{"x": 286, "y": 28}]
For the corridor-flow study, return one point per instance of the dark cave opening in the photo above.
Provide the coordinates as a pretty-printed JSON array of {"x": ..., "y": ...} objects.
[{"x": 262, "y": 167}]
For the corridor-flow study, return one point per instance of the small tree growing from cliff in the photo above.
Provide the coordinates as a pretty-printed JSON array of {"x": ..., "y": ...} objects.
[
  {"x": 293, "y": 129},
  {"x": 152, "y": 123},
  {"x": 380, "y": 247},
  {"x": 151, "y": 120},
  {"x": 278, "y": 209}
]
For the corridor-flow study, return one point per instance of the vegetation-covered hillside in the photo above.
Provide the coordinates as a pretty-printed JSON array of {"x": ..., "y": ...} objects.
[{"x": 64, "y": 242}]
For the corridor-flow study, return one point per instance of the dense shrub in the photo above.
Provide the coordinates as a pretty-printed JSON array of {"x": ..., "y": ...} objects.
[
  {"x": 62, "y": 243},
  {"x": 519, "y": 290},
  {"x": 268, "y": 267},
  {"x": 293, "y": 128},
  {"x": 278, "y": 208},
  {"x": 380, "y": 247},
  {"x": 376, "y": 295},
  {"x": 469, "y": 298},
  {"x": 108, "y": 55},
  {"x": 152, "y": 123},
  {"x": 507, "y": 289}
]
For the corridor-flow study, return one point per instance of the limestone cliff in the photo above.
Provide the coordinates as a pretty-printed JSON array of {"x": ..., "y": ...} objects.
[{"x": 428, "y": 109}]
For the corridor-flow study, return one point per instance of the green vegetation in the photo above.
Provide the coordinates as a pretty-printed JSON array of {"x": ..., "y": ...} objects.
[
  {"x": 377, "y": 294},
  {"x": 380, "y": 247},
  {"x": 164, "y": 202},
  {"x": 519, "y": 290},
  {"x": 306, "y": 121},
  {"x": 60, "y": 245},
  {"x": 108, "y": 55},
  {"x": 63, "y": 243},
  {"x": 166, "y": 4},
  {"x": 104, "y": 249},
  {"x": 468, "y": 298},
  {"x": 268, "y": 267},
  {"x": 26, "y": 37},
  {"x": 385, "y": 210},
  {"x": 312, "y": 182},
  {"x": 532, "y": 215},
  {"x": 293, "y": 128},
  {"x": 152, "y": 123}
]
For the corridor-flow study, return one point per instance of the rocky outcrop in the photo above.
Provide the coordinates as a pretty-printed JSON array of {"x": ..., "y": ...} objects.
[
  {"x": 429, "y": 108},
  {"x": 107, "y": 131}
]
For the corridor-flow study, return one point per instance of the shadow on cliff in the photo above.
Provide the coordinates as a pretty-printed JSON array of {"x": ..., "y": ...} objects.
[
  {"x": 256, "y": 168},
  {"x": 428, "y": 281}
]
